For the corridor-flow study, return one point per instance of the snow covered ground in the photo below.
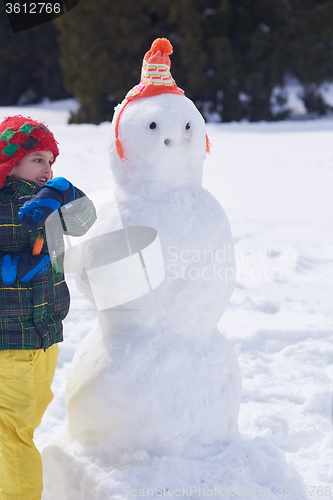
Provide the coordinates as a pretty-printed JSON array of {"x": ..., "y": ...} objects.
[{"x": 275, "y": 183}]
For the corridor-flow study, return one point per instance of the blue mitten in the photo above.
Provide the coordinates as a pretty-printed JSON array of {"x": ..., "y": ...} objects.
[
  {"x": 25, "y": 267},
  {"x": 37, "y": 208}
]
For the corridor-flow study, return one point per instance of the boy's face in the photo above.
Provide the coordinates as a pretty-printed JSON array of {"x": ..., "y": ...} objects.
[{"x": 34, "y": 167}]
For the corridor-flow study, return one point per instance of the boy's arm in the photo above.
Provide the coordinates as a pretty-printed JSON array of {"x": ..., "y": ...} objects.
[
  {"x": 77, "y": 217},
  {"x": 78, "y": 212}
]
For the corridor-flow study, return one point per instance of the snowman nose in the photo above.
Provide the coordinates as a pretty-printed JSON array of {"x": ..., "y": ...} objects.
[{"x": 167, "y": 142}]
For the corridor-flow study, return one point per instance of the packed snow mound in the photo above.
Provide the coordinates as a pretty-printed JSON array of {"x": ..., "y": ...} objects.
[{"x": 243, "y": 468}]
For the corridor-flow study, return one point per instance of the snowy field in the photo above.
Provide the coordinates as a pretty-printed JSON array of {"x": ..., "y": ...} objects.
[{"x": 275, "y": 182}]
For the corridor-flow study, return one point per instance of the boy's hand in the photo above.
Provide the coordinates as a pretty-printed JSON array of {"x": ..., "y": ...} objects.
[
  {"x": 25, "y": 267},
  {"x": 37, "y": 208}
]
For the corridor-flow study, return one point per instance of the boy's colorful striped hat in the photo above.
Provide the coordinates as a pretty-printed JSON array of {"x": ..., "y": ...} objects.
[
  {"x": 155, "y": 79},
  {"x": 20, "y": 136}
]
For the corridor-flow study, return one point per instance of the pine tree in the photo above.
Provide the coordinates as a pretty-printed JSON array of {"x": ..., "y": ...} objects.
[
  {"x": 103, "y": 45},
  {"x": 29, "y": 64},
  {"x": 230, "y": 54},
  {"x": 311, "y": 48}
]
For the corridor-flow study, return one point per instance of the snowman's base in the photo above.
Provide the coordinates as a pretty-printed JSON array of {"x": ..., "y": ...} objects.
[{"x": 249, "y": 468}]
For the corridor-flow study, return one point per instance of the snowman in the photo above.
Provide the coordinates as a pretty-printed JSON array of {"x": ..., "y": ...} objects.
[{"x": 156, "y": 375}]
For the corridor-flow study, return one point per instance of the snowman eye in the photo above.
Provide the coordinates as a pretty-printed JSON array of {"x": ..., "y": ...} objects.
[
  {"x": 188, "y": 126},
  {"x": 152, "y": 125}
]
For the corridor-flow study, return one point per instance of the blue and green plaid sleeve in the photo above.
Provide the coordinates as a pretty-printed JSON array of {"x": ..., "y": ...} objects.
[{"x": 78, "y": 216}]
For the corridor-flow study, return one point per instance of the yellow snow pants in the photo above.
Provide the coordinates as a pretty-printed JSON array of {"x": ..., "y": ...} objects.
[{"x": 25, "y": 392}]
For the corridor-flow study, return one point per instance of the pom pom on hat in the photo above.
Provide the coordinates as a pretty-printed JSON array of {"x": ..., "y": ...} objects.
[
  {"x": 162, "y": 45},
  {"x": 20, "y": 136}
]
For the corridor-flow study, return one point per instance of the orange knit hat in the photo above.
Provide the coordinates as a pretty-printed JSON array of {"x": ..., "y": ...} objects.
[
  {"x": 155, "y": 74},
  {"x": 155, "y": 79}
]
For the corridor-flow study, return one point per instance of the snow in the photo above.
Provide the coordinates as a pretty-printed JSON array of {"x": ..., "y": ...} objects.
[
  {"x": 274, "y": 181},
  {"x": 277, "y": 193}
]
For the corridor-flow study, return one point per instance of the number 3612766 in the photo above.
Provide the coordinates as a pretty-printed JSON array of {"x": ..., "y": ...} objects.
[{"x": 33, "y": 8}]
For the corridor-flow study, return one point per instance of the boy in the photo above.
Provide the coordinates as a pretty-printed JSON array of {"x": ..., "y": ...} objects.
[{"x": 34, "y": 297}]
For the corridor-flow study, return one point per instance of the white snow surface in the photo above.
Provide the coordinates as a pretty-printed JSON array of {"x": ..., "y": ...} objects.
[{"x": 274, "y": 181}]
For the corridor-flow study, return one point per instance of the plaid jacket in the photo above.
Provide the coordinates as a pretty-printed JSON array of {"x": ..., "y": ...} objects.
[{"x": 31, "y": 314}]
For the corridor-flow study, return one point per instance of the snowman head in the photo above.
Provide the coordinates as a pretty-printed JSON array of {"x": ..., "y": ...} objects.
[{"x": 158, "y": 137}]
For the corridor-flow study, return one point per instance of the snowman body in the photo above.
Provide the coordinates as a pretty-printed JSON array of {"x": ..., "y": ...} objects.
[{"x": 156, "y": 374}]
